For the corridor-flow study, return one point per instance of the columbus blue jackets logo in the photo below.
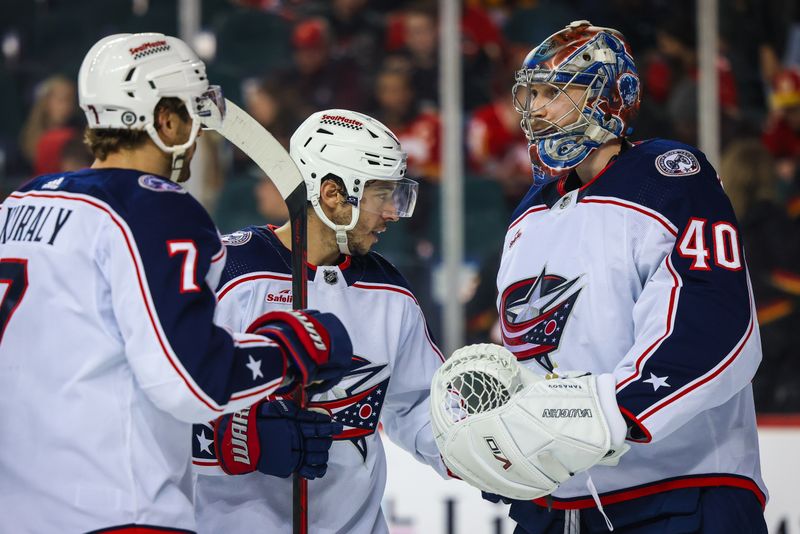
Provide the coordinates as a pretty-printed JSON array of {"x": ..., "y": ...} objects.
[
  {"x": 677, "y": 162},
  {"x": 239, "y": 237},
  {"x": 534, "y": 314},
  {"x": 356, "y": 402},
  {"x": 154, "y": 183}
]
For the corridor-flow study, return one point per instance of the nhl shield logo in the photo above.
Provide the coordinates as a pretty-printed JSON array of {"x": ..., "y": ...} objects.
[
  {"x": 331, "y": 277},
  {"x": 677, "y": 163},
  {"x": 534, "y": 314}
]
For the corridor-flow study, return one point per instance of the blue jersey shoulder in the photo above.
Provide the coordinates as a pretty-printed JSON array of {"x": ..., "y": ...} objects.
[
  {"x": 665, "y": 176},
  {"x": 374, "y": 268},
  {"x": 532, "y": 198},
  {"x": 254, "y": 249},
  {"x": 135, "y": 196}
]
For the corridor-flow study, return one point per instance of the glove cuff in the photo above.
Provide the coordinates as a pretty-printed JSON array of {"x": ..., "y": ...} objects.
[{"x": 607, "y": 393}]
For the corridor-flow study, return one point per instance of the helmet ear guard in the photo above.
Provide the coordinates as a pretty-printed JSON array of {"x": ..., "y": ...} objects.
[{"x": 582, "y": 55}]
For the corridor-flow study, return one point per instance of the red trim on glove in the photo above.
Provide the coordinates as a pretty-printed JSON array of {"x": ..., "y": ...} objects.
[{"x": 239, "y": 447}]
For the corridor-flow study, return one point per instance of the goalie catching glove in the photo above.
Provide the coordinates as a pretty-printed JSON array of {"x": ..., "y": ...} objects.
[
  {"x": 276, "y": 438},
  {"x": 316, "y": 345},
  {"x": 508, "y": 431}
]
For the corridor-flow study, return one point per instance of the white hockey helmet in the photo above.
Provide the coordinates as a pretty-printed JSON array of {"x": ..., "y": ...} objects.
[
  {"x": 357, "y": 149},
  {"x": 123, "y": 77}
]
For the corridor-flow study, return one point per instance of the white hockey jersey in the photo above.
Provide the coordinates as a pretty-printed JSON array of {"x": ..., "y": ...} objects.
[
  {"x": 641, "y": 273},
  {"x": 108, "y": 352},
  {"x": 394, "y": 361}
]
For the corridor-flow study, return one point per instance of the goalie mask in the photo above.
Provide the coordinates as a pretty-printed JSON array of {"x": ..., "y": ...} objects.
[
  {"x": 357, "y": 149},
  {"x": 596, "y": 60},
  {"x": 123, "y": 77}
]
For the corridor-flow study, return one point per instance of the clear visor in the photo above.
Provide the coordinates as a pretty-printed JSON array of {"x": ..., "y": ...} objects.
[
  {"x": 210, "y": 107},
  {"x": 390, "y": 198}
]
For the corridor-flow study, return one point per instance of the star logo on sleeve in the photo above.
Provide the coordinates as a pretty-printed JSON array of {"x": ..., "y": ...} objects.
[
  {"x": 254, "y": 366},
  {"x": 657, "y": 381},
  {"x": 205, "y": 443}
]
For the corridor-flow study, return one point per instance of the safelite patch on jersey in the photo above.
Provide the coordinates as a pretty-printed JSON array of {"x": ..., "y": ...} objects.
[
  {"x": 677, "y": 162},
  {"x": 160, "y": 185},
  {"x": 236, "y": 238}
]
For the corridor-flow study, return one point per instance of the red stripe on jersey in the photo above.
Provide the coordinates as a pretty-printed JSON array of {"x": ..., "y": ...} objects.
[
  {"x": 386, "y": 287},
  {"x": 235, "y": 282},
  {"x": 657, "y": 487},
  {"x": 142, "y": 288},
  {"x": 527, "y": 212},
  {"x": 219, "y": 255},
  {"x": 270, "y": 385},
  {"x": 635, "y": 207},
  {"x": 205, "y": 463},
  {"x": 140, "y": 529},
  {"x": 686, "y": 389},
  {"x": 402, "y": 291},
  {"x": 673, "y": 299}
]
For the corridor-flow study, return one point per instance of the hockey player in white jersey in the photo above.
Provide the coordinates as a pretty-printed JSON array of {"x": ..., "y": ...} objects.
[
  {"x": 624, "y": 261},
  {"x": 354, "y": 168},
  {"x": 109, "y": 351}
]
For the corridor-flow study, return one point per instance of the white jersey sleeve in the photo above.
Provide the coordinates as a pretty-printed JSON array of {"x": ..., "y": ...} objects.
[
  {"x": 108, "y": 351},
  {"x": 406, "y": 415}
]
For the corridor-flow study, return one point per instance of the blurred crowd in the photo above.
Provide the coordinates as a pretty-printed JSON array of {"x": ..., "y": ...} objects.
[{"x": 284, "y": 59}]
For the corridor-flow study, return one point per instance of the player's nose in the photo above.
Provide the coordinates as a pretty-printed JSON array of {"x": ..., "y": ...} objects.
[{"x": 390, "y": 215}]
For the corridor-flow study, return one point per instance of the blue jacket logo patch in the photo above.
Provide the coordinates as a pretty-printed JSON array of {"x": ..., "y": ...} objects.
[
  {"x": 239, "y": 237},
  {"x": 677, "y": 162},
  {"x": 154, "y": 183}
]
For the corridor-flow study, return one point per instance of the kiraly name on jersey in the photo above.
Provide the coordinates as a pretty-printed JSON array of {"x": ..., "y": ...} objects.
[{"x": 33, "y": 223}]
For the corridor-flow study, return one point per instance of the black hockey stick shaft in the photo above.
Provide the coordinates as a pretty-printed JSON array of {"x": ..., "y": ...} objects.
[{"x": 298, "y": 214}]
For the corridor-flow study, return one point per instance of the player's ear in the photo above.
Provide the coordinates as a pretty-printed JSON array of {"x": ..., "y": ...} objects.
[
  {"x": 167, "y": 124},
  {"x": 330, "y": 194}
]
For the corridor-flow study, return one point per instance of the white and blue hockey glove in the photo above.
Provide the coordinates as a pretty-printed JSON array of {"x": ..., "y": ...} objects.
[
  {"x": 276, "y": 438},
  {"x": 316, "y": 344}
]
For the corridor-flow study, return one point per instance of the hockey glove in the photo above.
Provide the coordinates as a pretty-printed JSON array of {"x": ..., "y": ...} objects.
[
  {"x": 316, "y": 344},
  {"x": 511, "y": 432},
  {"x": 276, "y": 438}
]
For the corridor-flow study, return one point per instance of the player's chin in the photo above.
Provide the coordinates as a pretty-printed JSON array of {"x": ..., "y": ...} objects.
[{"x": 361, "y": 247}]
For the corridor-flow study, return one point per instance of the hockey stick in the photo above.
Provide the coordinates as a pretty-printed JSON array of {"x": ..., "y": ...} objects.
[{"x": 258, "y": 144}]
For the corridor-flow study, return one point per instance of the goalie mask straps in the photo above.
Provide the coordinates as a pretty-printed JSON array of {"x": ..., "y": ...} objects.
[{"x": 596, "y": 498}]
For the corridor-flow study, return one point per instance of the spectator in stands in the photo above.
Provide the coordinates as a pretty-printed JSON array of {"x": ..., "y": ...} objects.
[
  {"x": 55, "y": 106},
  {"x": 782, "y": 132},
  {"x": 75, "y": 155},
  {"x": 50, "y": 147},
  {"x": 677, "y": 45},
  {"x": 317, "y": 80},
  {"x": 247, "y": 196},
  {"x": 496, "y": 146},
  {"x": 418, "y": 131},
  {"x": 421, "y": 51},
  {"x": 356, "y": 32},
  {"x": 772, "y": 244}
]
